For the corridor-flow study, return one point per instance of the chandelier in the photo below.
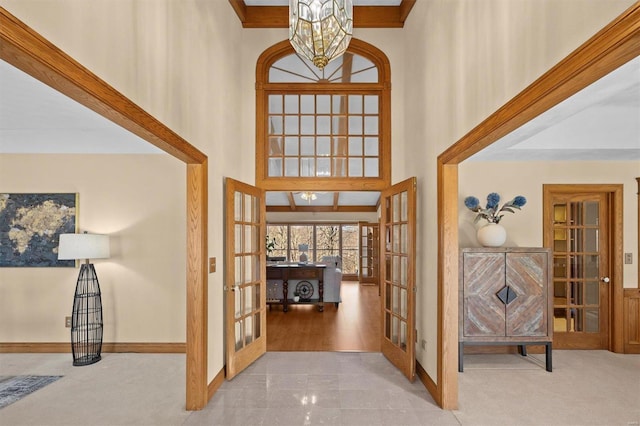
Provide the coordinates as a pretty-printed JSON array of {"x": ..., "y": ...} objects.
[
  {"x": 320, "y": 30},
  {"x": 308, "y": 196}
]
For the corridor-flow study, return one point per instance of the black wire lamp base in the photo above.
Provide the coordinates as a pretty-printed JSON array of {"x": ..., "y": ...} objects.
[{"x": 86, "y": 318}]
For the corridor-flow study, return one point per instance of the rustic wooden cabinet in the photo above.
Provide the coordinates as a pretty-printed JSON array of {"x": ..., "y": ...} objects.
[{"x": 505, "y": 298}]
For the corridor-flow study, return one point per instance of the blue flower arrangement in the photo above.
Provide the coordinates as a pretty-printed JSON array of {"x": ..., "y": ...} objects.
[{"x": 493, "y": 213}]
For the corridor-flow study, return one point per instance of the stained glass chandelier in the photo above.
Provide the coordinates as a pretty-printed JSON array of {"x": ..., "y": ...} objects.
[{"x": 320, "y": 30}]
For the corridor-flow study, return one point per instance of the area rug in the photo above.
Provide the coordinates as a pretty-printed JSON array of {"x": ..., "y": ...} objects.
[{"x": 12, "y": 388}]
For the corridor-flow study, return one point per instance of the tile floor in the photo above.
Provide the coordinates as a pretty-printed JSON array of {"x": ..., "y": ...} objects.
[{"x": 331, "y": 388}]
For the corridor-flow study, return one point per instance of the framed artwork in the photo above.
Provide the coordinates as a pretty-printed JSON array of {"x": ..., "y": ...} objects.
[{"x": 30, "y": 227}]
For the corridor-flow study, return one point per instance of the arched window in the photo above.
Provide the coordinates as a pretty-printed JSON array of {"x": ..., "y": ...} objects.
[{"x": 325, "y": 128}]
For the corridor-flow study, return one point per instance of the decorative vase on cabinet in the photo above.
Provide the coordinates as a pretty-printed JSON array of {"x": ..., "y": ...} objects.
[
  {"x": 492, "y": 235},
  {"x": 505, "y": 298}
]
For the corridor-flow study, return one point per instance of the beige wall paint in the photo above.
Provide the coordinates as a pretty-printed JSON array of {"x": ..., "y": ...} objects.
[
  {"x": 525, "y": 227},
  {"x": 468, "y": 59},
  {"x": 143, "y": 283},
  {"x": 174, "y": 59}
]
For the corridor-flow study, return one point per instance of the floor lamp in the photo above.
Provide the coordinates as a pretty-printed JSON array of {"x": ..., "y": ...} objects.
[{"x": 86, "y": 317}]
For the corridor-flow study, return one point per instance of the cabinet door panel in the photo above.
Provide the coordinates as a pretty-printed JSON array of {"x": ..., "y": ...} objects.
[
  {"x": 527, "y": 313},
  {"x": 484, "y": 276}
]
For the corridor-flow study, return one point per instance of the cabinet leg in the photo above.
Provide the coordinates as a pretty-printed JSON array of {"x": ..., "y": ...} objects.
[
  {"x": 460, "y": 357},
  {"x": 548, "y": 359},
  {"x": 522, "y": 349}
]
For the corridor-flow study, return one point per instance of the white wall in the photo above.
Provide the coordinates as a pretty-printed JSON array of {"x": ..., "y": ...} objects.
[
  {"x": 467, "y": 59},
  {"x": 524, "y": 228},
  {"x": 175, "y": 60},
  {"x": 142, "y": 284}
]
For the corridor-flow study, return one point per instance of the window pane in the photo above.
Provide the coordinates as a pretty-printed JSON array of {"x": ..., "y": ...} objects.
[
  {"x": 371, "y": 104},
  {"x": 275, "y": 125},
  {"x": 323, "y": 167},
  {"x": 340, "y": 147},
  {"x": 275, "y": 104},
  {"x": 275, "y": 146},
  {"x": 291, "y": 104},
  {"x": 323, "y": 104},
  {"x": 291, "y": 125},
  {"x": 339, "y": 167},
  {"x": 355, "y": 146},
  {"x": 355, "y": 167},
  {"x": 371, "y": 146},
  {"x": 355, "y": 104},
  {"x": 308, "y": 124},
  {"x": 307, "y": 146},
  {"x": 355, "y": 125},
  {"x": 307, "y": 104},
  {"x": 323, "y": 125},
  {"x": 371, "y": 167},
  {"x": 339, "y": 104},
  {"x": 275, "y": 167},
  {"x": 371, "y": 125},
  {"x": 308, "y": 166},
  {"x": 323, "y": 146},
  {"x": 291, "y": 145},
  {"x": 291, "y": 167}
]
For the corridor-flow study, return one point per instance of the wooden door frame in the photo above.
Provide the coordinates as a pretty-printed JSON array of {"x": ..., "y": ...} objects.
[
  {"x": 616, "y": 289},
  {"x": 28, "y": 51},
  {"x": 611, "y": 47}
]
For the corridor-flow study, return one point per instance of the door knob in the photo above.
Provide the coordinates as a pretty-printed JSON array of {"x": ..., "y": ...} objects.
[{"x": 605, "y": 279}]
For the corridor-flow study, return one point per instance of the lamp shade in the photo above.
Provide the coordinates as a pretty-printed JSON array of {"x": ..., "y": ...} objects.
[{"x": 83, "y": 246}]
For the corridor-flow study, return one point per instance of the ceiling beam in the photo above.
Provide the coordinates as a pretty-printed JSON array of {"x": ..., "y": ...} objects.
[
  {"x": 292, "y": 202},
  {"x": 363, "y": 16},
  {"x": 322, "y": 209}
]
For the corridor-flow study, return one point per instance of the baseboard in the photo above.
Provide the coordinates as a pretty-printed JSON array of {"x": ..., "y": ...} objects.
[
  {"x": 51, "y": 347},
  {"x": 432, "y": 388},
  {"x": 215, "y": 384}
]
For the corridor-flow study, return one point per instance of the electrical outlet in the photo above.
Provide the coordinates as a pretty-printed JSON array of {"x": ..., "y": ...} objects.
[
  {"x": 212, "y": 265},
  {"x": 67, "y": 322},
  {"x": 628, "y": 258}
]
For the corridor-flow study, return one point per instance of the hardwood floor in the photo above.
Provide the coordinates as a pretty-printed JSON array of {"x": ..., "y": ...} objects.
[{"x": 354, "y": 326}]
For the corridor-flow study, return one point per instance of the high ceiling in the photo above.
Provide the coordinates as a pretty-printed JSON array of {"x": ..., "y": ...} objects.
[
  {"x": 602, "y": 122},
  {"x": 366, "y": 13}
]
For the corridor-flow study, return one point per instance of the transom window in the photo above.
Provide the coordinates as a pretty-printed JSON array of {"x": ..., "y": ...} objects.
[{"x": 327, "y": 125}]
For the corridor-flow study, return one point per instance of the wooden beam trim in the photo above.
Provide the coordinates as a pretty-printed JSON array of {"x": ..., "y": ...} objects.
[
  {"x": 336, "y": 199},
  {"x": 292, "y": 202},
  {"x": 33, "y": 54},
  {"x": 28, "y": 51},
  {"x": 215, "y": 384},
  {"x": 611, "y": 47},
  {"x": 197, "y": 299},
  {"x": 363, "y": 16}
]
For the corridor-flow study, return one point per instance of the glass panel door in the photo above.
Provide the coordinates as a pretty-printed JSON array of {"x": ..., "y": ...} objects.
[
  {"x": 369, "y": 247},
  {"x": 398, "y": 224},
  {"x": 245, "y": 275},
  {"x": 580, "y": 267}
]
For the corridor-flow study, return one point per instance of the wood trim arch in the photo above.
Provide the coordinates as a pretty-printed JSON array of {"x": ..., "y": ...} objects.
[
  {"x": 614, "y": 45},
  {"x": 359, "y": 47},
  {"x": 28, "y": 51}
]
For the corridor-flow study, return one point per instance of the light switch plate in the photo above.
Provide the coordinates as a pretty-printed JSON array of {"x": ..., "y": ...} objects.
[
  {"x": 628, "y": 258},
  {"x": 212, "y": 265}
]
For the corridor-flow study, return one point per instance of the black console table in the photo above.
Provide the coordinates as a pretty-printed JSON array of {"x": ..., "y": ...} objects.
[{"x": 289, "y": 271}]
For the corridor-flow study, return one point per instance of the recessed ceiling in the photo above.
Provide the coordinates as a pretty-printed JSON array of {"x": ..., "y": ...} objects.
[
  {"x": 36, "y": 119},
  {"x": 328, "y": 201},
  {"x": 601, "y": 122}
]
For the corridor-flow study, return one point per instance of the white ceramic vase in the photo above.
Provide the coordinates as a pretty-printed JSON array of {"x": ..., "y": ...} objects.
[{"x": 492, "y": 235}]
